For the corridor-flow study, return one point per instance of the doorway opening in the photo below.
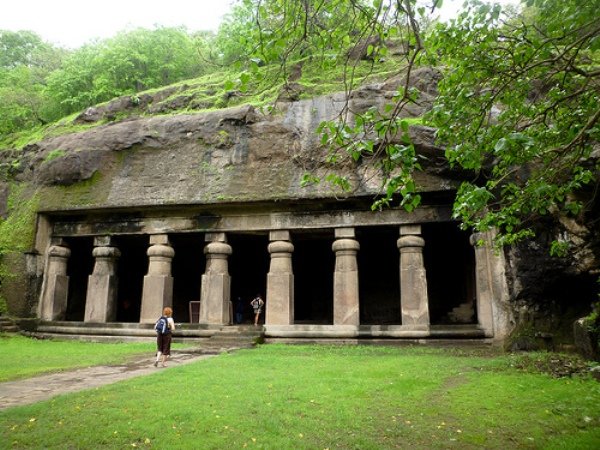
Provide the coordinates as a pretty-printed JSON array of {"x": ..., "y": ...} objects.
[
  {"x": 450, "y": 267},
  {"x": 379, "y": 278},
  {"x": 248, "y": 267},
  {"x": 132, "y": 266},
  {"x": 187, "y": 268},
  {"x": 79, "y": 267},
  {"x": 313, "y": 262}
]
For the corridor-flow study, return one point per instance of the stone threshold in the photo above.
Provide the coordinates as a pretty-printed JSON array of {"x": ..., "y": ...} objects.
[
  {"x": 186, "y": 332},
  {"x": 375, "y": 331}
]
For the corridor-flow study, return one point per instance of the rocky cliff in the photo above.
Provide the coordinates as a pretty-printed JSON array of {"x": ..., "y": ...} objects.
[{"x": 235, "y": 154}]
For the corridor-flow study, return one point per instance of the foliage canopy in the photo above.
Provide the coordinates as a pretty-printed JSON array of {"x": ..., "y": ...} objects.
[{"x": 518, "y": 103}]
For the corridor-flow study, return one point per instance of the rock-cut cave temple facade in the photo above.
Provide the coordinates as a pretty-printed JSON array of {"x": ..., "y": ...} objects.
[{"x": 196, "y": 211}]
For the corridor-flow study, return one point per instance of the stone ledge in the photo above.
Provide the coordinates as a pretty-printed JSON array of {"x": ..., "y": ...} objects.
[{"x": 374, "y": 331}]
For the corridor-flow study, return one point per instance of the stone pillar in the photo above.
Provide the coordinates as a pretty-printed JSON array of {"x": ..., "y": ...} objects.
[
  {"x": 101, "y": 298},
  {"x": 216, "y": 282},
  {"x": 53, "y": 302},
  {"x": 483, "y": 282},
  {"x": 158, "y": 283},
  {"x": 345, "y": 278},
  {"x": 280, "y": 280},
  {"x": 413, "y": 280}
]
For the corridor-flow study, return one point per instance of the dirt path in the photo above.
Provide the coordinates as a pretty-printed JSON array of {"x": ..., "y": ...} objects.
[{"x": 43, "y": 387}]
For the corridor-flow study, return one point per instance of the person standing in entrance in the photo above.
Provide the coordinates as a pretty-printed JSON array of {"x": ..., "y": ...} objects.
[
  {"x": 164, "y": 328},
  {"x": 257, "y": 304},
  {"x": 238, "y": 307}
]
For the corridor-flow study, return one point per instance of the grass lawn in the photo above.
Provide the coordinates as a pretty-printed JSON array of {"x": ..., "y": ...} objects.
[
  {"x": 23, "y": 357},
  {"x": 322, "y": 397}
]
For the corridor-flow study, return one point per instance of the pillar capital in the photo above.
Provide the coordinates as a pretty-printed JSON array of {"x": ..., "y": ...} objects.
[
  {"x": 103, "y": 241},
  {"x": 59, "y": 251},
  {"x": 215, "y": 237},
  {"x": 410, "y": 242},
  {"x": 217, "y": 248},
  {"x": 410, "y": 230},
  {"x": 159, "y": 239},
  {"x": 280, "y": 247},
  {"x": 279, "y": 235},
  {"x": 345, "y": 244},
  {"x": 477, "y": 237},
  {"x": 160, "y": 251},
  {"x": 106, "y": 252},
  {"x": 346, "y": 232},
  {"x": 59, "y": 241}
]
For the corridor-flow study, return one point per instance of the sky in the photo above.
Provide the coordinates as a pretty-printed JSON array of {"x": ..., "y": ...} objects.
[{"x": 72, "y": 23}]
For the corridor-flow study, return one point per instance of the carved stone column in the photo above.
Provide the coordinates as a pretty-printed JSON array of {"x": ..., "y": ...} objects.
[
  {"x": 53, "y": 302},
  {"x": 280, "y": 280},
  {"x": 216, "y": 282},
  {"x": 101, "y": 298},
  {"x": 158, "y": 283},
  {"x": 483, "y": 282},
  {"x": 345, "y": 278},
  {"x": 414, "y": 302}
]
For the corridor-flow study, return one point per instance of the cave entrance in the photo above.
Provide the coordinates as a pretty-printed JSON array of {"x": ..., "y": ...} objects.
[
  {"x": 450, "y": 267},
  {"x": 79, "y": 267},
  {"x": 248, "y": 267},
  {"x": 314, "y": 263},
  {"x": 379, "y": 279},
  {"x": 187, "y": 268},
  {"x": 132, "y": 266}
]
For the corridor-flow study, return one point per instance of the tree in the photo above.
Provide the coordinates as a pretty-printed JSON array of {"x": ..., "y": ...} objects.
[
  {"x": 25, "y": 62},
  {"x": 18, "y": 48},
  {"x": 130, "y": 62},
  {"x": 20, "y": 100},
  {"x": 518, "y": 106},
  {"x": 286, "y": 33}
]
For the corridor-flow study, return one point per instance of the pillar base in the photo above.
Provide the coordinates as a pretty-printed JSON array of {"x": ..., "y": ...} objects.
[
  {"x": 158, "y": 294},
  {"x": 214, "y": 303},
  {"x": 100, "y": 300},
  {"x": 345, "y": 308},
  {"x": 280, "y": 297},
  {"x": 54, "y": 305}
]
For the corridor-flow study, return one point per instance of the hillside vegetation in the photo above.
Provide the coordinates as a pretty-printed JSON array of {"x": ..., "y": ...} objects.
[
  {"x": 518, "y": 89},
  {"x": 45, "y": 90}
]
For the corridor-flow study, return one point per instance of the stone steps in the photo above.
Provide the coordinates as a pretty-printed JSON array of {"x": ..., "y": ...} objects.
[
  {"x": 218, "y": 338},
  {"x": 7, "y": 325},
  {"x": 462, "y": 313},
  {"x": 202, "y": 339}
]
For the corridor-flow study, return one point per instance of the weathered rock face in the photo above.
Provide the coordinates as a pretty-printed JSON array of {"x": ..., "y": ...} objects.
[
  {"x": 236, "y": 154},
  {"x": 549, "y": 294},
  {"x": 586, "y": 341}
]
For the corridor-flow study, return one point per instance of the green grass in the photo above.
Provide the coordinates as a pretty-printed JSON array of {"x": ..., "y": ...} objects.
[
  {"x": 23, "y": 357},
  {"x": 208, "y": 91},
  {"x": 319, "y": 397}
]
